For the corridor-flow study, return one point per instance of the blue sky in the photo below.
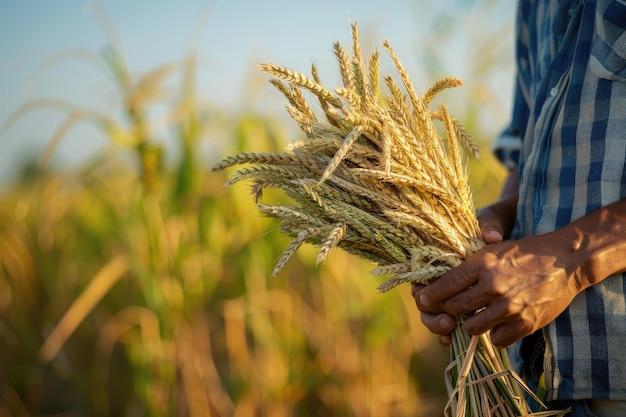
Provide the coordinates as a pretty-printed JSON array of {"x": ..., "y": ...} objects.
[{"x": 232, "y": 37}]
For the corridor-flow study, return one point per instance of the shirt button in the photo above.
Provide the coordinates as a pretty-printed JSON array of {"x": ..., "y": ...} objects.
[{"x": 554, "y": 91}]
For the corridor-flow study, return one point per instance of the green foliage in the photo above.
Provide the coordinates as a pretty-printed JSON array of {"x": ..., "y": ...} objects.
[
  {"x": 128, "y": 287},
  {"x": 127, "y": 295}
]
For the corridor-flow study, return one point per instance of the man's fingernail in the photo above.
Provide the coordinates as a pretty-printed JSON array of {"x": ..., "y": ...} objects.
[
  {"x": 424, "y": 300},
  {"x": 445, "y": 323}
]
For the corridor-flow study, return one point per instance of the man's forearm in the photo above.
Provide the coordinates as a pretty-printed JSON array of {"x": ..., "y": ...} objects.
[
  {"x": 597, "y": 244},
  {"x": 505, "y": 208},
  {"x": 510, "y": 190}
]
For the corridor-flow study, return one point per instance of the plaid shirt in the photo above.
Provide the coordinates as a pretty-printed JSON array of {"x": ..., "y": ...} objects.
[{"x": 568, "y": 140}]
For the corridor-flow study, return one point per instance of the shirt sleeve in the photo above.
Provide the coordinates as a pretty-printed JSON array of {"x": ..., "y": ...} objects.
[
  {"x": 507, "y": 148},
  {"x": 508, "y": 145},
  {"x": 608, "y": 49}
]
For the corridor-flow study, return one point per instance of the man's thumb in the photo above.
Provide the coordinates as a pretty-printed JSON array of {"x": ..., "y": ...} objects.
[{"x": 491, "y": 234}]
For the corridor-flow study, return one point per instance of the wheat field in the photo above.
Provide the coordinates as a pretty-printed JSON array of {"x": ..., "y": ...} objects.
[{"x": 132, "y": 287}]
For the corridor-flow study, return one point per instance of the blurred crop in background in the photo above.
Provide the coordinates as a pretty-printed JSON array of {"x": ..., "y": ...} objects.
[{"x": 131, "y": 286}]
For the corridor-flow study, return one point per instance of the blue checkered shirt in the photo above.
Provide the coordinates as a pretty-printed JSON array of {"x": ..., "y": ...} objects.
[{"x": 567, "y": 139}]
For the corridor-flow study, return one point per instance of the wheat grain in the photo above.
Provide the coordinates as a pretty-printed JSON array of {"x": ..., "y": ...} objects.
[
  {"x": 440, "y": 85},
  {"x": 358, "y": 67},
  {"x": 296, "y": 100},
  {"x": 341, "y": 152},
  {"x": 269, "y": 171},
  {"x": 353, "y": 99},
  {"x": 289, "y": 213},
  {"x": 266, "y": 158},
  {"x": 301, "y": 80},
  {"x": 291, "y": 249},
  {"x": 330, "y": 242},
  {"x": 373, "y": 65},
  {"x": 347, "y": 72},
  {"x": 420, "y": 276},
  {"x": 374, "y": 178},
  {"x": 462, "y": 134},
  {"x": 391, "y": 269}
]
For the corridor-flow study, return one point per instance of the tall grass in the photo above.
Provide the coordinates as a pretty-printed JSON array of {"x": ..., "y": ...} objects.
[
  {"x": 132, "y": 287},
  {"x": 129, "y": 287}
]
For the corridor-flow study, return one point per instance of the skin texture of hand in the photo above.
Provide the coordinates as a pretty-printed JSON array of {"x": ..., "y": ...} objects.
[{"x": 516, "y": 287}]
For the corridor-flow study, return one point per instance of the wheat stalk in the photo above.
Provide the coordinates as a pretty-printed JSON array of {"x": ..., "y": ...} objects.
[{"x": 375, "y": 178}]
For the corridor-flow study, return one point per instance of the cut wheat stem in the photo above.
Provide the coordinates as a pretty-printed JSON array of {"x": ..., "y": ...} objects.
[{"x": 375, "y": 178}]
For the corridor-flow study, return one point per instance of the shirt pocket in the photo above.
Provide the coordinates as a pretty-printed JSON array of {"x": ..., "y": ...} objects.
[{"x": 608, "y": 47}]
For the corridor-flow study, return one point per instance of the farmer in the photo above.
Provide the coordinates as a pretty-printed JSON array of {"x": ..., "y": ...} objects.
[{"x": 551, "y": 284}]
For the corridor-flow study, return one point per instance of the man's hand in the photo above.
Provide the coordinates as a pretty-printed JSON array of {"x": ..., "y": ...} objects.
[
  {"x": 437, "y": 320},
  {"x": 511, "y": 288},
  {"x": 516, "y": 287}
]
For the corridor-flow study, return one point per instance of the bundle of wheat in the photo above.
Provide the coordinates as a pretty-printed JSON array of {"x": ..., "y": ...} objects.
[{"x": 375, "y": 178}]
